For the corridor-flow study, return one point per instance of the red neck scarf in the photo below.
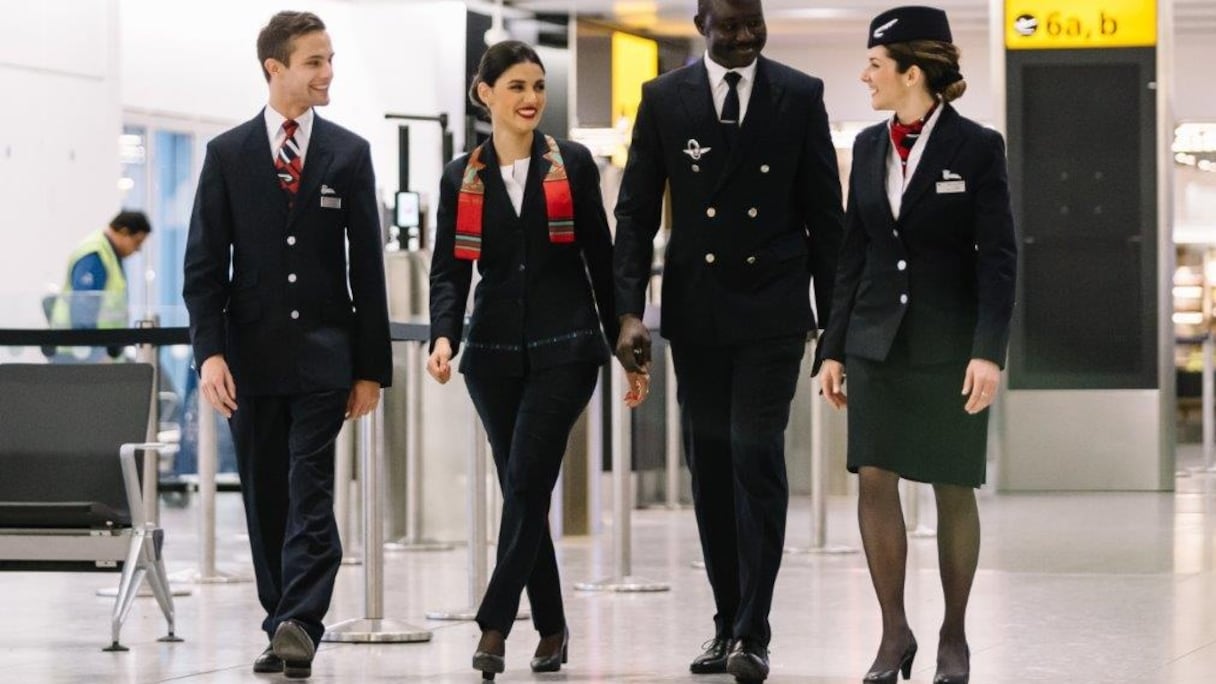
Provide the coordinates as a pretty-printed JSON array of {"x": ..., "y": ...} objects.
[
  {"x": 559, "y": 203},
  {"x": 904, "y": 136}
]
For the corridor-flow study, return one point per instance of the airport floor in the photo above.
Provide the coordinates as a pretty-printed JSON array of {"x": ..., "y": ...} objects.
[{"x": 1110, "y": 587}]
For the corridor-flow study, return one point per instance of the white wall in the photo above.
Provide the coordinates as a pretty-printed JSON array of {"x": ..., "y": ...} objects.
[
  {"x": 838, "y": 60},
  {"x": 1194, "y": 85},
  {"x": 383, "y": 62},
  {"x": 59, "y": 133}
]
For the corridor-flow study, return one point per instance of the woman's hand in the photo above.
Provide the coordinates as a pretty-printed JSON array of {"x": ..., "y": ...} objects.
[
  {"x": 981, "y": 382},
  {"x": 439, "y": 363},
  {"x": 639, "y": 388},
  {"x": 831, "y": 383}
]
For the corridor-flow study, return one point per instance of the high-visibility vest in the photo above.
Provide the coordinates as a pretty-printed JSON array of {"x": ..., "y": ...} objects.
[{"x": 113, "y": 310}]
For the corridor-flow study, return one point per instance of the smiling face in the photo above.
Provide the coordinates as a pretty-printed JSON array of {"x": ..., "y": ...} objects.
[
  {"x": 734, "y": 31},
  {"x": 888, "y": 87},
  {"x": 303, "y": 82},
  {"x": 517, "y": 99}
]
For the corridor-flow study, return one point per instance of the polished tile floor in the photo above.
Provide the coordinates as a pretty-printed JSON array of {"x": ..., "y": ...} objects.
[{"x": 1116, "y": 587}]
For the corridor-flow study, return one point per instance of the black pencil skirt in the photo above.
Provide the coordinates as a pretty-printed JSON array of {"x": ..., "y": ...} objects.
[{"x": 910, "y": 420}]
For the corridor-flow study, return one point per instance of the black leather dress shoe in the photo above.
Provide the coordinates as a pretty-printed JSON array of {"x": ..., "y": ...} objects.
[
  {"x": 268, "y": 662},
  {"x": 296, "y": 649},
  {"x": 748, "y": 661},
  {"x": 713, "y": 659}
]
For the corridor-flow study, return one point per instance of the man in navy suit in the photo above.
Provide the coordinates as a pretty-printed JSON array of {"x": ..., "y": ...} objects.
[
  {"x": 284, "y": 282},
  {"x": 743, "y": 143}
]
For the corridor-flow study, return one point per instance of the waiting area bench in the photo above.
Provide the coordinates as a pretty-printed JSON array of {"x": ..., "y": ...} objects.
[{"x": 70, "y": 484}]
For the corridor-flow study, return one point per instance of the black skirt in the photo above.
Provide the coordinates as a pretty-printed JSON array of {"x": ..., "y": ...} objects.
[{"x": 910, "y": 420}]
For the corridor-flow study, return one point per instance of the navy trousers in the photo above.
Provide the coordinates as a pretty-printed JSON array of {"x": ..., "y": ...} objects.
[
  {"x": 528, "y": 422},
  {"x": 734, "y": 408},
  {"x": 285, "y": 453}
]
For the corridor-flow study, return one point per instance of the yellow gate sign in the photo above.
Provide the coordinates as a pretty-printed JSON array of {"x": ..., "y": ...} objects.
[{"x": 1059, "y": 24}]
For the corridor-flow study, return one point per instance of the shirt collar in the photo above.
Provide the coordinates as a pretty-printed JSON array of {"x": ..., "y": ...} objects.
[
  {"x": 717, "y": 72},
  {"x": 274, "y": 123}
]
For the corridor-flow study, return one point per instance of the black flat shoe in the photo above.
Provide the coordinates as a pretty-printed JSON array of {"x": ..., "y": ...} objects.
[
  {"x": 552, "y": 662},
  {"x": 748, "y": 661},
  {"x": 713, "y": 659},
  {"x": 268, "y": 662},
  {"x": 489, "y": 657},
  {"x": 296, "y": 649},
  {"x": 890, "y": 676}
]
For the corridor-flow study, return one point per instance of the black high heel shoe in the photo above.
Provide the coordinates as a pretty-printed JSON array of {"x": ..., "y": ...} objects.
[
  {"x": 904, "y": 668},
  {"x": 957, "y": 677},
  {"x": 553, "y": 661},
  {"x": 489, "y": 656}
]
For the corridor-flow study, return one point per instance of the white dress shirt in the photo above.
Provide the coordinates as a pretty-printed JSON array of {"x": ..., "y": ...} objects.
[
  {"x": 897, "y": 175},
  {"x": 719, "y": 87},
  {"x": 274, "y": 131}
]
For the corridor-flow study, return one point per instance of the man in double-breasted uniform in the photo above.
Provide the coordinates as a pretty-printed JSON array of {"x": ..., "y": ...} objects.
[
  {"x": 284, "y": 282},
  {"x": 744, "y": 144}
]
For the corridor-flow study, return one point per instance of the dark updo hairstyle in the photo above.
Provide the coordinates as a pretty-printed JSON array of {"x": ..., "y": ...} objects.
[
  {"x": 497, "y": 59},
  {"x": 937, "y": 59}
]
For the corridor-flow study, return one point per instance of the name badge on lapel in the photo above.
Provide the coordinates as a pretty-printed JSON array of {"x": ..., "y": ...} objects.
[
  {"x": 330, "y": 202},
  {"x": 951, "y": 183}
]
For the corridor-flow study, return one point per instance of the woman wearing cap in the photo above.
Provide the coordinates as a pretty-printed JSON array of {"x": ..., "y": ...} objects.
[
  {"x": 920, "y": 319},
  {"x": 527, "y": 209}
]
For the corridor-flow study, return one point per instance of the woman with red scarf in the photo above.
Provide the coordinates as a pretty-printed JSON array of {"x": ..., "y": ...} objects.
[
  {"x": 526, "y": 210},
  {"x": 920, "y": 320}
]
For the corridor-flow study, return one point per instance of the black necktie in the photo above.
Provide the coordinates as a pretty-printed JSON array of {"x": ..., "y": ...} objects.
[{"x": 730, "y": 108}]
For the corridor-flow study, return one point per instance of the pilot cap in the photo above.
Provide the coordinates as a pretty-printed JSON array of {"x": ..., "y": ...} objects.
[{"x": 904, "y": 24}]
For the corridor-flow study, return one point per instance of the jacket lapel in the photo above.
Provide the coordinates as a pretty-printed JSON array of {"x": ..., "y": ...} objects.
[
  {"x": 538, "y": 168},
  {"x": 264, "y": 180},
  {"x": 316, "y": 165},
  {"x": 697, "y": 100},
  {"x": 943, "y": 141},
  {"x": 761, "y": 110},
  {"x": 876, "y": 173}
]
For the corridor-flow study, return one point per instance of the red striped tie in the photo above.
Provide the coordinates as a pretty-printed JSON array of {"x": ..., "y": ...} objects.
[{"x": 287, "y": 160}]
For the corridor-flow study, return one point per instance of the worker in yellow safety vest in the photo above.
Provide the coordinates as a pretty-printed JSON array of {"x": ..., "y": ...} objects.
[{"x": 94, "y": 294}]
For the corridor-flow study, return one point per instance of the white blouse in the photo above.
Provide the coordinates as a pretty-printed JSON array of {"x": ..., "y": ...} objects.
[
  {"x": 897, "y": 175},
  {"x": 515, "y": 177}
]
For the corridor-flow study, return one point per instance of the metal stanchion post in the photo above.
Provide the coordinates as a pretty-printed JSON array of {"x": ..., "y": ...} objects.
[
  {"x": 207, "y": 572},
  {"x": 819, "y": 484},
  {"x": 373, "y": 627},
  {"x": 622, "y": 502},
  {"x": 344, "y": 467},
  {"x": 671, "y": 406},
  {"x": 414, "y": 539},
  {"x": 912, "y": 521},
  {"x": 1209, "y": 404},
  {"x": 475, "y": 510},
  {"x": 595, "y": 455}
]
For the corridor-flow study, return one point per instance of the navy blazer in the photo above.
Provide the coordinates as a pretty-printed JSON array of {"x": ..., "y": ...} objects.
[
  {"x": 299, "y": 313},
  {"x": 944, "y": 270},
  {"x": 534, "y": 306},
  {"x": 752, "y": 223}
]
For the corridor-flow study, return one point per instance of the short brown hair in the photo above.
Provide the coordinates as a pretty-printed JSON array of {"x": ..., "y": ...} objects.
[
  {"x": 937, "y": 59},
  {"x": 275, "y": 39}
]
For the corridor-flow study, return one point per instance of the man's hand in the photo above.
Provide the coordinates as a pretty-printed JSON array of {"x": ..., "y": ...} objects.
[
  {"x": 363, "y": 398},
  {"x": 439, "y": 363},
  {"x": 217, "y": 385},
  {"x": 639, "y": 389},
  {"x": 633, "y": 345}
]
